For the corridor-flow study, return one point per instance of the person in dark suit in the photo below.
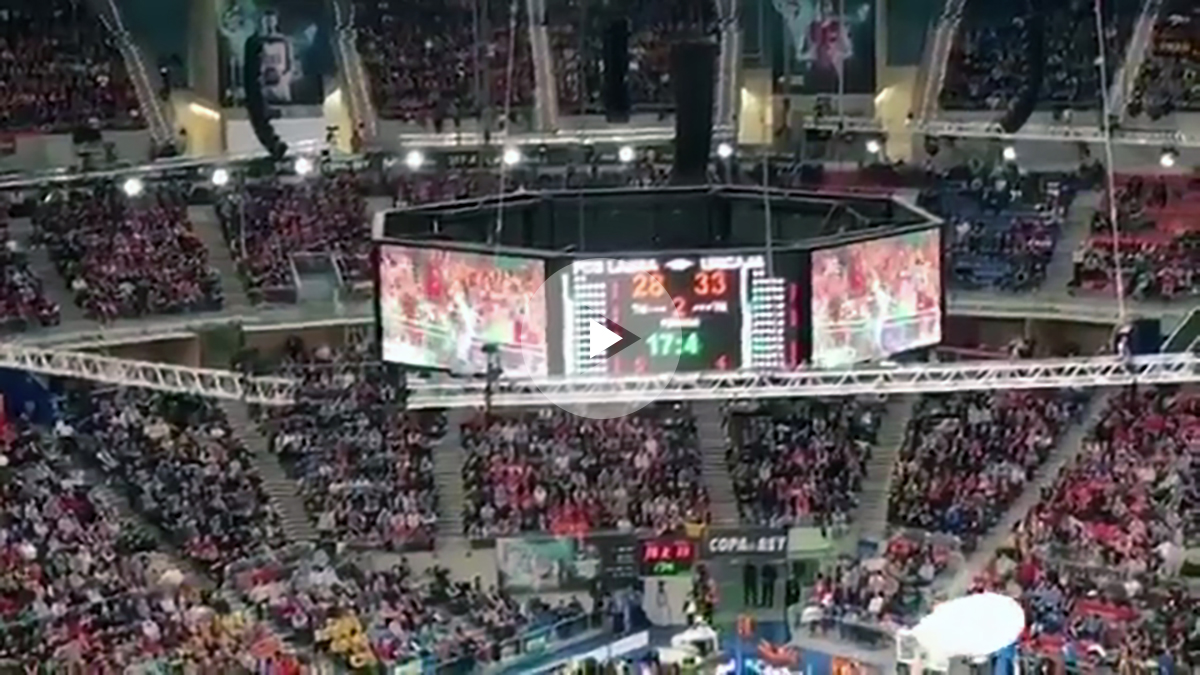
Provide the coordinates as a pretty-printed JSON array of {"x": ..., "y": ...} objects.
[
  {"x": 750, "y": 584},
  {"x": 769, "y": 576}
]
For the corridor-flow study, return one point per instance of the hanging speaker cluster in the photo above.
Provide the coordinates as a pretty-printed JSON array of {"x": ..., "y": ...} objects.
[
  {"x": 256, "y": 103},
  {"x": 1021, "y": 108}
]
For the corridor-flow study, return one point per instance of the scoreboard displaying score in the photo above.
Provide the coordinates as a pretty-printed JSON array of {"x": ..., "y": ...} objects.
[
  {"x": 666, "y": 557},
  {"x": 703, "y": 312}
]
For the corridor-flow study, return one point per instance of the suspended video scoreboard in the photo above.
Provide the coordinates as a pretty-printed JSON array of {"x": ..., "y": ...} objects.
[{"x": 830, "y": 300}]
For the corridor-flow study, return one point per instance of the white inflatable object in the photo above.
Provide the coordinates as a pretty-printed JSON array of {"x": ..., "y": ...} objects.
[{"x": 972, "y": 626}]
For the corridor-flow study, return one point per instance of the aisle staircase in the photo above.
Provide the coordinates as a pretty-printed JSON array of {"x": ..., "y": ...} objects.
[
  {"x": 1135, "y": 55},
  {"x": 714, "y": 470},
  {"x": 936, "y": 59},
  {"x": 55, "y": 287},
  {"x": 448, "y": 461},
  {"x": 1069, "y": 447},
  {"x": 207, "y": 227},
  {"x": 870, "y": 519},
  {"x": 280, "y": 488}
]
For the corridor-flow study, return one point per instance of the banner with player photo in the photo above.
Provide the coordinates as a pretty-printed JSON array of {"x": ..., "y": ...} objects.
[
  {"x": 544, "y": 564},
  {"x": 809, "y": 42},
  {"x": 297, "y": 52}
]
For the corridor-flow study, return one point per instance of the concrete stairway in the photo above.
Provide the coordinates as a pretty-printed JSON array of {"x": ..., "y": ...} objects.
[
  {"x": 1068, "y": 448},
  {"x": 1076, "y": 229},
  {"x": 870, "y": 519},
  {"x": 206, "y": 225},
  {"x": 449, "y": 457},
  {"x": 1135, "y": 55},
  {"x": 21, "y": 231},
  {"x": 714, "y": 470},
  {"x": 280, "y": 488}
]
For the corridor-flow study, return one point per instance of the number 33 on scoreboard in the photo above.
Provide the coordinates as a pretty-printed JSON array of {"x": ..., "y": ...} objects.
[{"x": 710, "y": 284}]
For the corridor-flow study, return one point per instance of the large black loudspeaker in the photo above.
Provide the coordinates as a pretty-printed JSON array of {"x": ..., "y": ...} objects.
[
  {"x": 256, "y": 105},
  {"x": 1021, "y": 108},
  {"x": 616, "y": 71},
  {"x": 692, "y": 72}
]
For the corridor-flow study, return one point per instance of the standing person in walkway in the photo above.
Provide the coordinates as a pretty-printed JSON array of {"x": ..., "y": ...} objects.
[
  {"x": 750, "y": 584},
  {"x": 769, "y": 576}
]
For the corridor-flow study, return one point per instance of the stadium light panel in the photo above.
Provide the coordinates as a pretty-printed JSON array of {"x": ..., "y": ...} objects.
[
  {"x": 133, "y": 187},
  {"x": 303, "y": 166}
]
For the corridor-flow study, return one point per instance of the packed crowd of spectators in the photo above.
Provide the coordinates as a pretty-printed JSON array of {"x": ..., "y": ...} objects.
[
  {"x": 802, "y": 461},
  {"x": 968, "y": 456},
  {"x": 125, "y": 256},
  {"x": 1004, "y": 228},
  {"x": 427, "y": 63},
  {"x": 987, "y": 66},
  {"x": 1096, "y": 561},
  {"x": 550, "y": 471},
  {"x": 890, "y": 589},
  {"x": 444, "y": 186},
  {"x": 183, "y": 467},
  {"x": 75, "y": 598},
  {"x": 270, "y": 222},
  {"x": 365, "y": 467},
  {"x": 23, "y": 300},
  {"x": 1158, "y": 249},
  {"x": 577, "y": 30},
  {"x": 1167, "y": 81},
  {"x": 61, "y": 70},
  {"x": 397, "y": 616}
]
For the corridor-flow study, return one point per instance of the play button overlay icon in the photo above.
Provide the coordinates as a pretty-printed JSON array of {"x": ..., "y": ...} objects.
[
  {"x": 620, "y": 329},
  {"x": 607, "y": 338}
]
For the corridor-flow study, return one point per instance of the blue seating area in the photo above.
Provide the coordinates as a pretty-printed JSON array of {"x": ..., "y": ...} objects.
[{"x": 1000, "y": 238}]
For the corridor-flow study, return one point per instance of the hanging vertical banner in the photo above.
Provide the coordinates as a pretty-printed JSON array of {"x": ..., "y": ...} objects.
[
  {"x": 808, "y": 42},
  {"x": 297, "y": 53}
]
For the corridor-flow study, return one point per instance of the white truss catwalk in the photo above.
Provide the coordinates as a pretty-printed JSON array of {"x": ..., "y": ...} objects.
[
  {"x": 1056, "y": 133},
  {"x": 205, "y": 382},
  {"x": 925, "y": 378}
]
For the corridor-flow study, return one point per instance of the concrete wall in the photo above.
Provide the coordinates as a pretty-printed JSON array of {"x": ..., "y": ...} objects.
[
  {"x": 202, "y": 121},
  {"x": 41, "y": 152}
]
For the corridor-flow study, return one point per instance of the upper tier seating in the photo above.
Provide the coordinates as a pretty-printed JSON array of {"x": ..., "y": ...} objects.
[
  {"x": 426, "y": 65},
  {"x": 986, "y": 68},
  {"x": 127, "y": 257},
  {"x": 577, "y": 30},
  {"x": 1159, "y": 242},
  {"x": 60, "y": 70},
  {"x": 1167, "y": 82}
]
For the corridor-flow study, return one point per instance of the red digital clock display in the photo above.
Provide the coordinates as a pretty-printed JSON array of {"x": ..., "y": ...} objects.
[{"x": 666, "y": 557}]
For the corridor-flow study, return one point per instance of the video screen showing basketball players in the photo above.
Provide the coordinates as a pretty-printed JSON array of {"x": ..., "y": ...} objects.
[
  {"x": 876, "y": 298},
  {"x": 440, "y": 308}
]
